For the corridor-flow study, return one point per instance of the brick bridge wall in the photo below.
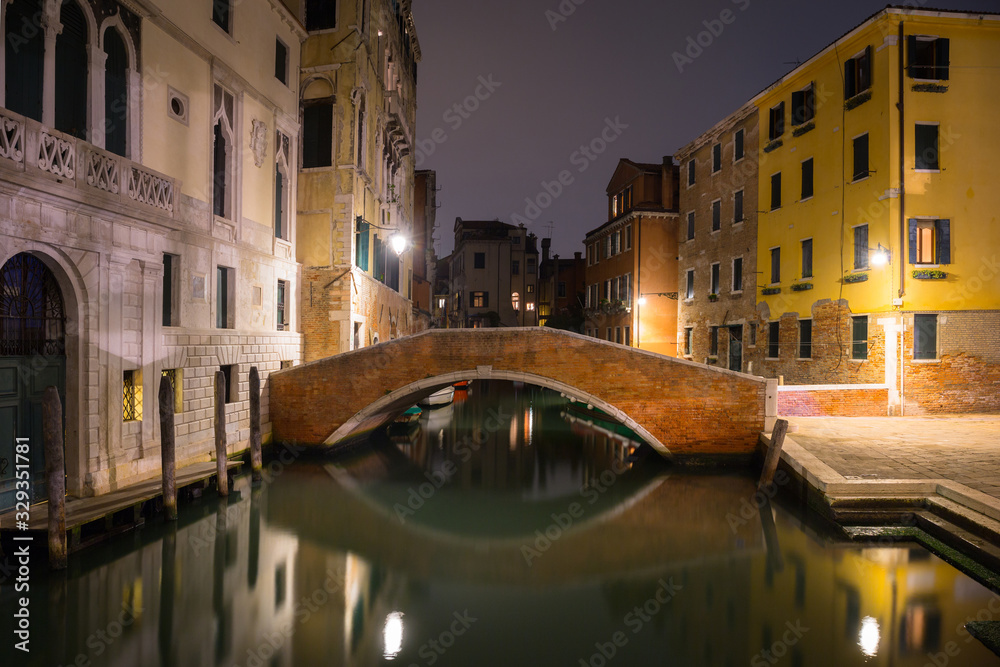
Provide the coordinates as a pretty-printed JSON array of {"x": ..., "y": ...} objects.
[
  {"x": 690, "y": 408},
  {"x": 843, "y": 400}
]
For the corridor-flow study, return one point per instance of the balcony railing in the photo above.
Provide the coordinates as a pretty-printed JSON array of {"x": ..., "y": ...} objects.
[{"x": 29, "y": 147}]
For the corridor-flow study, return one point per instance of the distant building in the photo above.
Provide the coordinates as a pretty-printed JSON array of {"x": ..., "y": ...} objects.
[
  {"x": 717, "y": 256},
  {"x": 422, "y": 248},
  {"x": 878, "y": 179},
  {"x": 561, "y": 288},
  {"x": 494, "y": 275},
  {"x": 631, "y": 273},
  {"x": 356, "y": 178}
]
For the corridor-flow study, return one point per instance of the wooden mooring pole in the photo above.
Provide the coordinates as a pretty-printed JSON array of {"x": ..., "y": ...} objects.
[
  {"x": 167, "y": 452},
  {"x": 773, "y": 453},
  {"x": 55, "y": 476},
  {"x": 256, "y": 462},
  {"x": 221, "y": 468}
]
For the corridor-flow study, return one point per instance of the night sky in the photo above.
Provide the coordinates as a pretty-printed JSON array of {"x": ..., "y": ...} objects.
[{"x": 533, "y": 84}]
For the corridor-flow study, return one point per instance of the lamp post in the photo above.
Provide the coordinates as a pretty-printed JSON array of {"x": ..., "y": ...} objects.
[
  {"x": 398, "y": 241},
  {"x": 641, "y": 301}
]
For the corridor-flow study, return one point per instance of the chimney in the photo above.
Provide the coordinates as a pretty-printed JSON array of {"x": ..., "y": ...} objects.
[
  {"x": 546, "y": 244},
  {"x": 578, "y": 255}
]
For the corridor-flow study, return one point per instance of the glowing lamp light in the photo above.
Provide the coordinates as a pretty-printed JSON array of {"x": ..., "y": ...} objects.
[
  {"x": 881, "y": 256},
  {"x": 869, "y": 637},
  {"x": 642, "y": 301},
  {"x": 392, "y": 635},
  {"x": 399, "y": 243}
]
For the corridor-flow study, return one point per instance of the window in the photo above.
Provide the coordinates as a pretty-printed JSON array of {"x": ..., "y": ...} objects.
[
  {"x": 230, "y": 389},
  {"x": 715, "y": 279},
  {"x": 925, "y": 336},
  {"x": 690, "y": 226},
  {"x": 804, "y": 105},
  {"x": 171, "y": 280},
  {"x": 691, "y": 168},
  {"x": 515, "y": 301},
  {"x": 859, "y": 337},
  {"x": 776, "y": 191},
  {"x": 926, "y": 147},
  {"x": 618, "y": 335},
  {"x": 116, "y": 98},
  {"x": 25, "y": 53},
  {"x": 773, "y": 329},
  {"x": 688, "y": 331},
  {"x": 858, "y": 74},
  {"x": 713, "y": 342},
  {"x": 321, "y": 14},
  {"x": 176, "y": 378},
  {"x": 689, "y": 293},
  {"x": 807, "y": 258},
  {"x": 281, "y": 183},
  {"x": 861, "y": 247},
  {"x": 132, "y": 396},
  {"x": 479, "y": 260},
  {"x": 930, "y": 241},
  {"x": 362, "y": 234},
  {"x": 224, "y": 287},
  {"x": 529, "y": 289},
  {"x": 222, "y": 13},
  {"x": 776, "y": 125},
  {"x": 607, "y": 246},
  {"x": 71, "y": 58},
  {"x": 775, "y": 265},
  {"x": 738, "y": 207},
  {"x": 753, "y": 335},
  {"x": 531, "y": 266},
  {"x": 929, "y": 57},
  {"x": 480, "y": 299},
  {"x": 807, "y": 179},
  {"x": 515, "y": 268},
  {"x": 628, "y": 336},
  {"x": 611, "y": 335},
  {"x": 738, "y": 145},
  {"x": 628, "y": 237},
  {"x": 615, "y": 242},
  {"x": 177, "y": 105},
  {"x": 738, "y": 274},
  {"x": 716, "y": 158},
  {"x": 861, "y": 157},
  {"x": 317, "y": 133},
  {"x": 361, "y": 133},
  {"x": 716, "y": 215},
  {"x": 281, "y": 310},
  {"x": 517, "y": 240},
  {"x": 224, "y": 152},
  {"x": 805, "y": 339},
  {"x": 561, "y": 290},
  {"x": 280, "y": 61}
]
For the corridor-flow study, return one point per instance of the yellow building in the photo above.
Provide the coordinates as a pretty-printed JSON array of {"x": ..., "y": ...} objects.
[
  {"x": 879, "y": 212},
  {"x": 356, "y": 177}
]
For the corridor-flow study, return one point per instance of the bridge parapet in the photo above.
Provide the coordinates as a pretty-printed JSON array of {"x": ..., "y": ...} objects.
[{"x": 681, "y": 408}]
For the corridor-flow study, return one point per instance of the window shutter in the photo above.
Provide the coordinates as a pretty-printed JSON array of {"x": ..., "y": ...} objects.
[
  {"x": 798, "y": 107},
  {"x": 943, "y": 59},
  {"x": 913, "y": 240},
  {"x": 943, "y": 250},
  {"x": 866, "y": 69},
  {"x": 911, "y": 52},
  {"x": 850, "y": 73},
  {"x": 362, "y": 249}
]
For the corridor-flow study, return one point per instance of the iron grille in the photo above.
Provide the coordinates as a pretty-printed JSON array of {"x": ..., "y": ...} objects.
[
  {"x": 32, "y": 319},
  {"x": 129, "y": 402}
]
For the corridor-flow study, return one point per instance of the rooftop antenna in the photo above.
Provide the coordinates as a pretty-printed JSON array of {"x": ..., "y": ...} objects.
[{"x": 550, "y": 226}]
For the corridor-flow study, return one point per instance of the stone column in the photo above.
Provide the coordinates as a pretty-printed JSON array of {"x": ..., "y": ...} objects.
[
  {"x": 167, "y": 452},
  {"x": 52, "y": 28},
  {"x": 221, "y": 468},
  {"x": 96, "y": 61},
  {"x": 55, "y": 476}
]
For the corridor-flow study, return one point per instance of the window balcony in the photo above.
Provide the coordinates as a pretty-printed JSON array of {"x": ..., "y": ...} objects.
[{"x": 29, "y": 147}]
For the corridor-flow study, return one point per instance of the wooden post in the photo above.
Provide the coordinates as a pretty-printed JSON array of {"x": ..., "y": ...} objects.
[
  {"x": 774, "y": 559},
  {"x": 168, "y": 564},
  {"x": 167, "y": 452},
  {"x": 222, "y": 475},
  {"x": 256, "y": 462},
  {"x": 773, "y": 453},
  {"x": 55, "y": 476}
]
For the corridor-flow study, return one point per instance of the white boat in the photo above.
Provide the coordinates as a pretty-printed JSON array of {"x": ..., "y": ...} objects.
[{"x": 440, "y": 397}]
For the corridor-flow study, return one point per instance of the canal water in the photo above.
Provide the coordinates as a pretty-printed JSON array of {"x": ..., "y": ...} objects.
[{"x": 509, "y": 528}]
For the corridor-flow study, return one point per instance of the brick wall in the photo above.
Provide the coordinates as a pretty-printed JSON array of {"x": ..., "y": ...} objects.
[
  {"x": 690, "y": 408},
  {"x": 838, "y": 401}
]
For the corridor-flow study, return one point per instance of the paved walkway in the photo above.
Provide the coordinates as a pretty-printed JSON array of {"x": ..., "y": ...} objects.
[{"x": 962, "y": 449}]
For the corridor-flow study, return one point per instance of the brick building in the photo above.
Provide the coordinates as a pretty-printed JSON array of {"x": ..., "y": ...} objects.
[
  {"x": 561, "y": 289},
  {"x": 631, "y": 273},
  {"x": 717, "y": 248},
  {"x": 424, "y": 257}
]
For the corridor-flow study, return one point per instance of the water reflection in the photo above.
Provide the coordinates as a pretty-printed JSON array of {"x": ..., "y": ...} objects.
[{"x": 662, "y": 568}]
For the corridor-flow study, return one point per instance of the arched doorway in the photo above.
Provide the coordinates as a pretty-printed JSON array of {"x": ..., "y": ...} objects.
[{"x": 32, "y": 357}]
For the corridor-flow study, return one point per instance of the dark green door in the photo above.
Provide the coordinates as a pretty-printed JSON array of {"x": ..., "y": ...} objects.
[
  {"x": 32, "y": 357},
  {"x": 736, "y": 348}
]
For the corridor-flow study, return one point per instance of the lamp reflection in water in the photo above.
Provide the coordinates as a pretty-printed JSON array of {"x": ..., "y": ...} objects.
[
  {"x": 869, "y": 637},
  {"x": 392, "y": 635}
]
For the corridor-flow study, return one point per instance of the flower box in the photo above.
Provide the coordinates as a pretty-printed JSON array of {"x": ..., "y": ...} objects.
[
  {"x": 929, "y": 274},
  {"x": 858, "y": 100},
  {"x": 802, "y": 129},
  {"x": 768, "y": 291},
  {"x": 855, "y": 277},
  {"x": 774, "y": 145},
  {"x": 801, "y": 287},
  {"x": 713, "y": 297},
  {"x": 929, "y": 88}
]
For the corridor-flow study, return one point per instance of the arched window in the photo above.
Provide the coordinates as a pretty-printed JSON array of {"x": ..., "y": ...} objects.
[
  {"x": 25, "y": 44},
  {"x": 115, "y": 93},
  {"x": 281, "y": 186},
  {"x": 71, "y": 71},
  {"x": 224, "y": 144},
  {"x": 32, "y": 319},
  {"x": 361, "y": 131},
  {"x": 515, "y": 301}
]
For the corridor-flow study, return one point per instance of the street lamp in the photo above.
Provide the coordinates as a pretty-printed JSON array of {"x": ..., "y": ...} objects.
[
  {"x": 881, "y": 256},
  {"x": 642, "y": 302},
  {"x": 397, "y": 241}
]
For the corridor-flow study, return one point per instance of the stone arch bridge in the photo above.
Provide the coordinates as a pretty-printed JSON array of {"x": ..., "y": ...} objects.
[{"x": 682, "y": 409}]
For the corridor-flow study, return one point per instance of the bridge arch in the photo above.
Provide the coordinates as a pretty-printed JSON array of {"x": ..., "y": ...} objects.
[
  {"x": 387, "y": 407},
  {"x": 680, "y": 407}
]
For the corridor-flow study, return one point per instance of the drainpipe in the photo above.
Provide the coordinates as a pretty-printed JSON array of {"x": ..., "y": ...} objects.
[
  {"x": 638, "y": 278},
  {"x": 903, "y": 251}
]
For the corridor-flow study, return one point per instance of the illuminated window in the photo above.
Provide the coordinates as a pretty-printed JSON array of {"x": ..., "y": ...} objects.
[
  {"x": 480, "y": 299},
  {"x": 530, "y": 306},
  {"x": 132, "y": 396},
  {"x": 515, "y": 301}
]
